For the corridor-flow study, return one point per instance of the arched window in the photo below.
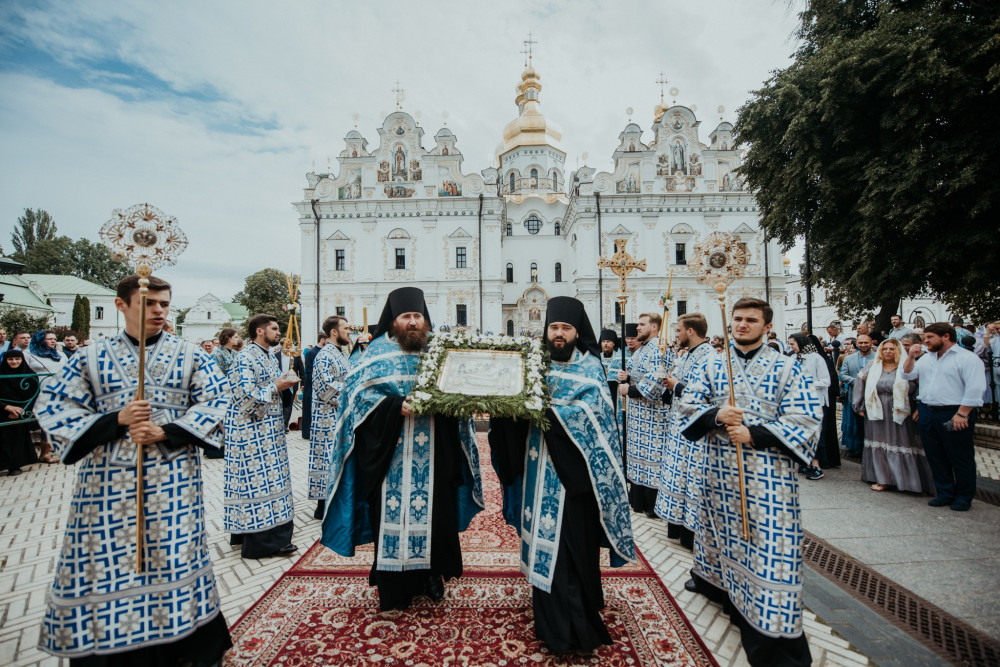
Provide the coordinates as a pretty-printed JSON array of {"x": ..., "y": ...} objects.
[
  {"x": 510, "y": 272},
  {"x": 558, "y": 272},
  {"x": 510, "y": 229},
  {"x": 510, "y": 327},
  {"x": 513, "y": 182},
  {"x": 555, "y": 180},
  {"x": 786, "y": 300},
  {"x": 534, "y": 272},
  {"x": 534, "y": 178},
  {"x": 798, "y": 299},
  {"x": 557, "y": 229},
  {"x": 533, "y": 224}
]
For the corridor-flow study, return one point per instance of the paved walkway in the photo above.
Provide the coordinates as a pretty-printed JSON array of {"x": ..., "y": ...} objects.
[{"x": 838, "y": 508}]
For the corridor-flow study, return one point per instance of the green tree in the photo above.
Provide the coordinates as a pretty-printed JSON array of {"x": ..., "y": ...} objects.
[
  {"x": 873, "y": 144},
  {"x": 266, "y": 292},
  {"x": 32, "y": 227},
  {"x": 18, "y": 319},
  {"x": 80, "y": 258},
  {"x": 81, "y": 317},
  {"x": 54, "y": 256}
]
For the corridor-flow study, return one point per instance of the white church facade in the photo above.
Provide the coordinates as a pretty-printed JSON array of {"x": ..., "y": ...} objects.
[{"x": 488, "y": 249}]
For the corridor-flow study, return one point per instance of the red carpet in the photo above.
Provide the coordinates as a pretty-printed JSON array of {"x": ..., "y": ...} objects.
[{"x": 323, "y": 612}]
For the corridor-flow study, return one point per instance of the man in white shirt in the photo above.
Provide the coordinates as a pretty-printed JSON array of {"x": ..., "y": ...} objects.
[
  {"x": 951, "y": 388},
  {"x": 898, "y": 328}
]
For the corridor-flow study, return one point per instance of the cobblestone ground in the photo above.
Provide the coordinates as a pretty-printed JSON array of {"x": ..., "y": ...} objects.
[
  {"x": 988, "y": 463},
  {"x": 34, "y": 505}
]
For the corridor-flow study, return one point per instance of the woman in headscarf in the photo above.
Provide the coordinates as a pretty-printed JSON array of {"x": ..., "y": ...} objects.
[
  {"x": 17, "y": 395},
  {"x": 814, "y": 364},
  {"x": 45, "y": 356},
  {"x": 893, "y": 455}
]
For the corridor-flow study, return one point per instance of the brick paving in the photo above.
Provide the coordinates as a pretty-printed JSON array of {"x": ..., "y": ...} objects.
[{"x": 34, "y": 505}]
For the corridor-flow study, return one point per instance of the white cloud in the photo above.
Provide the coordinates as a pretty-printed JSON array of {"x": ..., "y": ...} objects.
[{"x": 238, "y": 99}]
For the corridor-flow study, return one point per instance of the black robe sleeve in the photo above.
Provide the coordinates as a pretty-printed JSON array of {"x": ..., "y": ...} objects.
[
  {"x": 508, "y": 442},
  {"x": 104, "y": 430},
  {"x": 375, "y": 442},
  {"x": 568, "y": 461}
]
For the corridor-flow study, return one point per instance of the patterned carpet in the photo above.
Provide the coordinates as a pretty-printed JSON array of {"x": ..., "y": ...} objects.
[{"x": 323, "y": 612}]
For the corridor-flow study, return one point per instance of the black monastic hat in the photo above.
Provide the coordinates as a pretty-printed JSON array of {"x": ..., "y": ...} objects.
[
  {"x": 399, "y": 301},
  {"x": 631, "y": 330},
  {"x": 609, "y": 334},
  {"x": 571, "y": 311}
]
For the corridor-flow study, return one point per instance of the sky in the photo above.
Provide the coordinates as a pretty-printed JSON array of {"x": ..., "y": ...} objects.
[{"x": 214, "y": 111}]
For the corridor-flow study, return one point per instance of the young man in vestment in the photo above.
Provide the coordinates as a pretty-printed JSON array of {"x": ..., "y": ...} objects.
[
  {"x": 101, "y": 611},
  {"x": 308, "y": 359},
  {"x": 648, "y": 415},
  {"x": 408, "y": 483},
  {"x": 564, "y": 488},
  {"x": 777, "y": 419},
  {"x": 327, "y": 371},
  {"x": 679, "y": 498},
  {"x": 258, "y": 503}
]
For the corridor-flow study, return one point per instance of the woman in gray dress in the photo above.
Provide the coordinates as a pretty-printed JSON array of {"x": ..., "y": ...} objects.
[{"x": 893, "y": 455}]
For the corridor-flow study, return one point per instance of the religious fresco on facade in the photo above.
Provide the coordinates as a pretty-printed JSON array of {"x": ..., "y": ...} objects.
[
  {"x": 351, "y": 189},
  {"x": 630, "y": 181},
  {"x": 383, "y": 171},
  {"x": 398, "y": 162},
  {"x": 398, "y": 190},
  {"x": 416, "y": 173},
  {"x": 695, "y": 165},
  {"x": 678, "y": 156},
  {"x": 448, "y": 187}
]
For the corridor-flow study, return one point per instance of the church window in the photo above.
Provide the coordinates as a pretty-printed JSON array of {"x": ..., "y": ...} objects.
[
  {"x": 208, "y": 314},
  {"x": 555, "y": 180},
  {"x": 98, "y": 312},
  {"x": 558, "y": 272},
  {"x": 533, "y": 225},
  {"x": 534, "y": 178},
  {"x": 510, "y": 229},
  {"x": 513, "y": 182},
  {"x": 510, "y": 327},
  {"x": 682, "y": 308},
  {"x": 400, "y": 258},
  {"x": 557, "y": 229},
  {"x": 618, "y": 313},
  {"x": 461, "y": 317},
  {"x": 341, "y": 311},
  {"x": 798, "y": 299},
  {"x": 534, "y": 272},
  {"x": 786, "y": 300},
  {"x": 510, "y": 272},
  {"x": 460, "y": 258},
  {"x": 340, "y": 259},
  {"x": 680, "y": 254}
]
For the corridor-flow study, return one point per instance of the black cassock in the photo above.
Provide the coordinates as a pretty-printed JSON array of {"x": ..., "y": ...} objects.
[
  {"x": 568, "y": 618},
  {"x": 375, "y": 443}
]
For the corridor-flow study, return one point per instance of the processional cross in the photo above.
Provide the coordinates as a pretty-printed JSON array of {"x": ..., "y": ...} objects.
[
  {"x": 143, "y": 237},
  {"x": 622, "y": 264}
]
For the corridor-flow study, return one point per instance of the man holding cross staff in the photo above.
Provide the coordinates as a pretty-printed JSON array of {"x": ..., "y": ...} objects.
[{"x": 759, "y": 420}]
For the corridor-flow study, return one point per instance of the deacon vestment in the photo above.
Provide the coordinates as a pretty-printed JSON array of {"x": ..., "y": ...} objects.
[
  {"x": 410, "y": 484},
  {"x": 258, "y": 505},
  {"x": 564, "y": 491},
  {"x": 648, "y": 417},
  {"x": 329, "y": 369},
  {"x": 679, "y": 498},
  {"x": 762, "y": 577},
  {"x": 99, "y": 607}
]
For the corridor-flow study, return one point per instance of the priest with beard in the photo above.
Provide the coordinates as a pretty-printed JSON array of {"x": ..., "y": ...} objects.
[
  {"x": 564, "y": 487},
  {"x": 408, "y": 483}
]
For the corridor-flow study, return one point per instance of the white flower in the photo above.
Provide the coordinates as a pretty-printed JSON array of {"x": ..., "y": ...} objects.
[
  {"x": 534, "y": 404},
  {"x": 421, "y": 395}
]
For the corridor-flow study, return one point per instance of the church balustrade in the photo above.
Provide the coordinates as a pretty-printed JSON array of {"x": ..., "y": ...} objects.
[{"x": 521, "y": 184}]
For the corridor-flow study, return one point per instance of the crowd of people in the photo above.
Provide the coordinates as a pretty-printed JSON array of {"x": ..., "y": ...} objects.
[{"x": 712, "y": 439}]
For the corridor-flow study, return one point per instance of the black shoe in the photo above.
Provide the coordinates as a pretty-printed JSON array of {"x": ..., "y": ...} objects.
[
  {"x": 804, "y": 469},
  {"x": 961, "y": 505},
  {"x": 435, "y": 587},
  {"x": 15, "y": 471},
  {"x": 320, "y": 509},
  {"x": 652, "y": 515},
  {"x": 691, "y": 585},
  {"x": 236, "y": 540},
  {"x": 940, "y": 501},
  {"x": 286, "y": 550}
]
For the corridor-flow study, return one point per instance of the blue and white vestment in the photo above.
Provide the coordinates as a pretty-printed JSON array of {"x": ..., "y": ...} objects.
[
  {"x": 648, "y": 415},
  {"x": 258, "y": 483},
  {"x": 99, "y": 604},
  {"x": 683, "y": 460},
  {"x": 763, "y": 576},
  {"x": 329, "y": 370},
  {"x": 407, "y": 492}
]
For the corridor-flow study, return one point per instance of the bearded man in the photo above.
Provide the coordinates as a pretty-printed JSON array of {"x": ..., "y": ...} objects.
[
  {"x": 408, "y": 483},
  {"x": 564, "y": 488},
  {"x": 325, "y": 380}
]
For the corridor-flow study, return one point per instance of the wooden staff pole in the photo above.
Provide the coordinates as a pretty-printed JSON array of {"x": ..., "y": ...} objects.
[
  {"x": 144, "y": 273},
  {"x": 732, "y": 402}
]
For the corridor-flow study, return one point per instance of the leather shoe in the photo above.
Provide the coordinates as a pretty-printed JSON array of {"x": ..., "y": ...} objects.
[
  {"x": 940, "y": 501},
  {"x": 691, "y": 585},
  {"x": 286, "y": 550},
  {"x": 961, "y": 505},
  {"x": 435, "y": 587}
]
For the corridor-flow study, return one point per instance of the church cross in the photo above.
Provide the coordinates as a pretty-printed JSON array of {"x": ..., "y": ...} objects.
[
  {"x": 399, "y": 92},
  {"x": 528, "y": 44},
  {"x": 662, "y": 81},
  {"x": 621, "y": 264}
]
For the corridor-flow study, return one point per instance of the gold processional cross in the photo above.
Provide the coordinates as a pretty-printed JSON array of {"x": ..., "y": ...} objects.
[{"x": 622, "y": 264}]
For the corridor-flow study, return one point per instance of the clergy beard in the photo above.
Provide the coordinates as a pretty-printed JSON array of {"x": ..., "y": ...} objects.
[
  {"x": 411, "y": 339},
  {"x": 563, "y": 353}
]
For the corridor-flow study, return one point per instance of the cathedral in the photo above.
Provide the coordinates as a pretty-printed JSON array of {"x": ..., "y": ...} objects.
[{"x": 489, "y": 249}]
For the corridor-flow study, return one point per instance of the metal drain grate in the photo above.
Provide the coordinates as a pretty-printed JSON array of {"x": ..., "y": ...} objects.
[{"x": 929, "y": 624}]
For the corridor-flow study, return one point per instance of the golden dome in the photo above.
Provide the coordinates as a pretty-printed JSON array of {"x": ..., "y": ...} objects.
[
  {"x": 530, "y": 128},
  {"x": 786, "y": 261}
]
